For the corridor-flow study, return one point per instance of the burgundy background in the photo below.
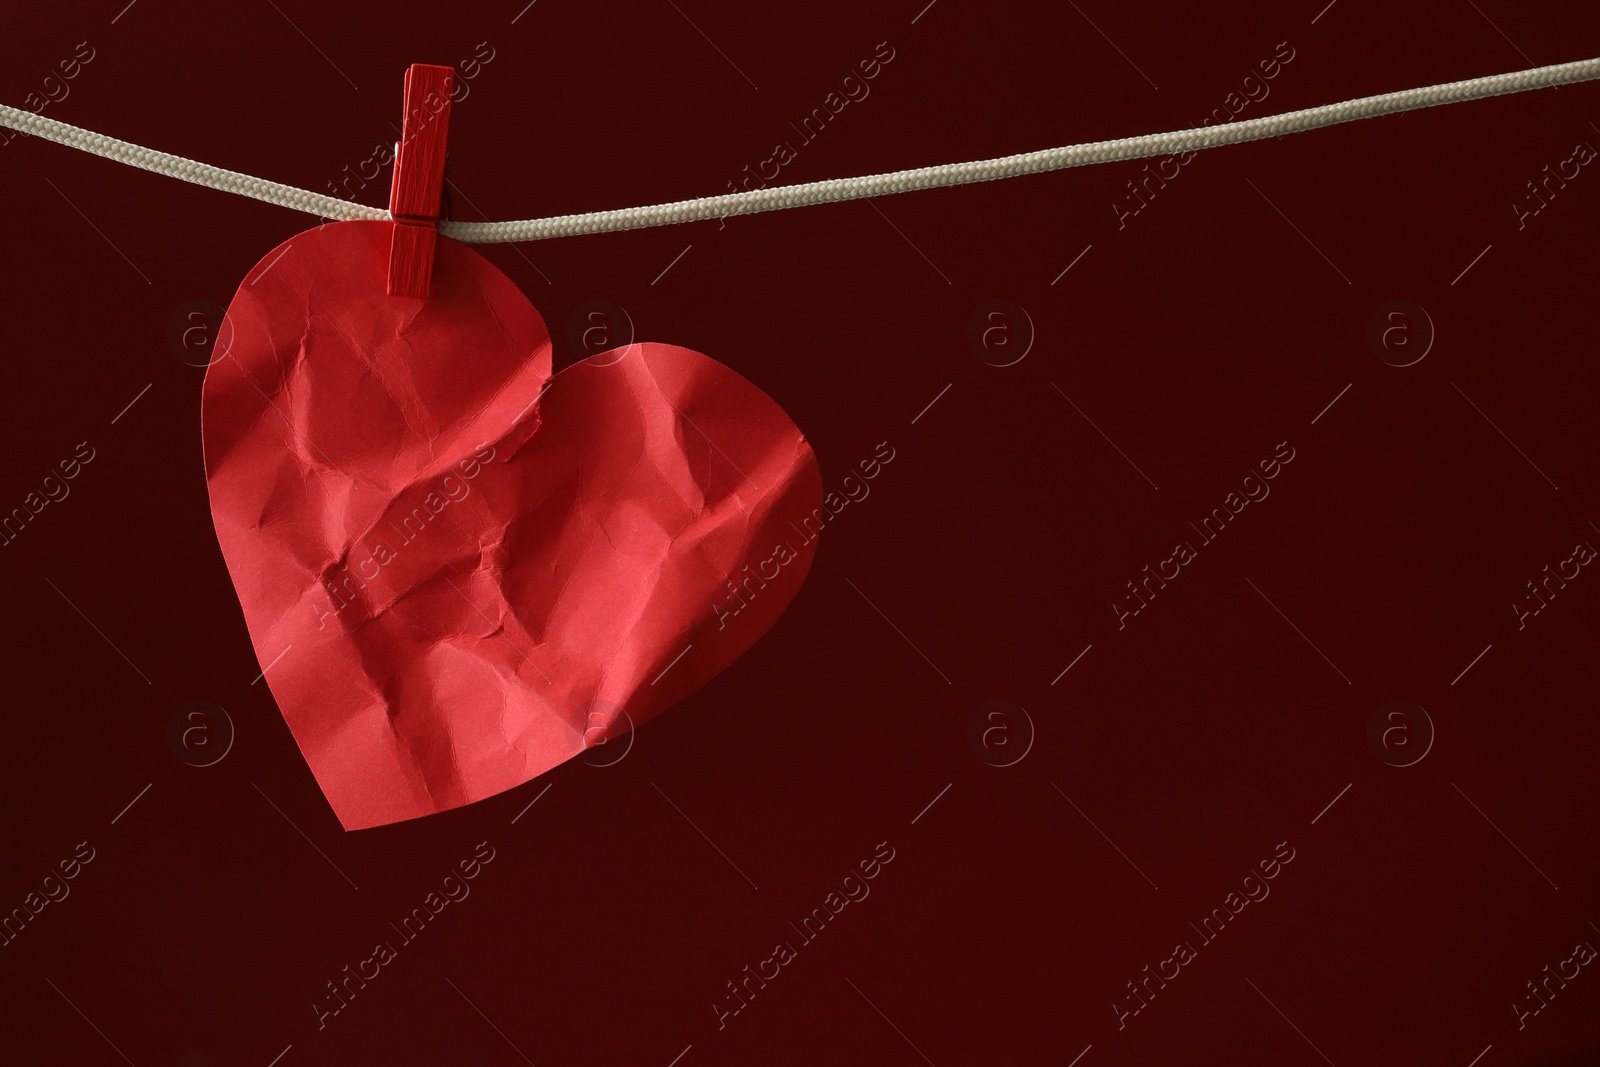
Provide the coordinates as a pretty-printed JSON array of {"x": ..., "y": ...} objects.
[{"x": 1196, "y": 739}]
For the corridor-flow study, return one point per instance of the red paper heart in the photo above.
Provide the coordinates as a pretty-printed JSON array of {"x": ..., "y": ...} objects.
[{"x": 457, "y": 571}]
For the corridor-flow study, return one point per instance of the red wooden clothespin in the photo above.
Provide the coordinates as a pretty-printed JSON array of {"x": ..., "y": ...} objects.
[{"x": 419, "y": 179}]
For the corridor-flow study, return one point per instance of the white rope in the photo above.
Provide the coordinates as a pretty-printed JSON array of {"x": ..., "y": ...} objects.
[
  {"x": 786, "y": 196},
  {"x": 229, "y": 181}
]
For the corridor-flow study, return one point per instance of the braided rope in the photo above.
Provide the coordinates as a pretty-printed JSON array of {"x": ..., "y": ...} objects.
[{"x": 779, "y": 197}]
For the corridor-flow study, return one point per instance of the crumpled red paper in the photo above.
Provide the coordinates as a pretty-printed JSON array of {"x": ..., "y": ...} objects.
[{"x": 458, "y": 571}]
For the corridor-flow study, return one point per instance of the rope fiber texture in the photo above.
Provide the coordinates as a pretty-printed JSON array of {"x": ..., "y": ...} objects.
[{"x": 774, "y": 198}]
